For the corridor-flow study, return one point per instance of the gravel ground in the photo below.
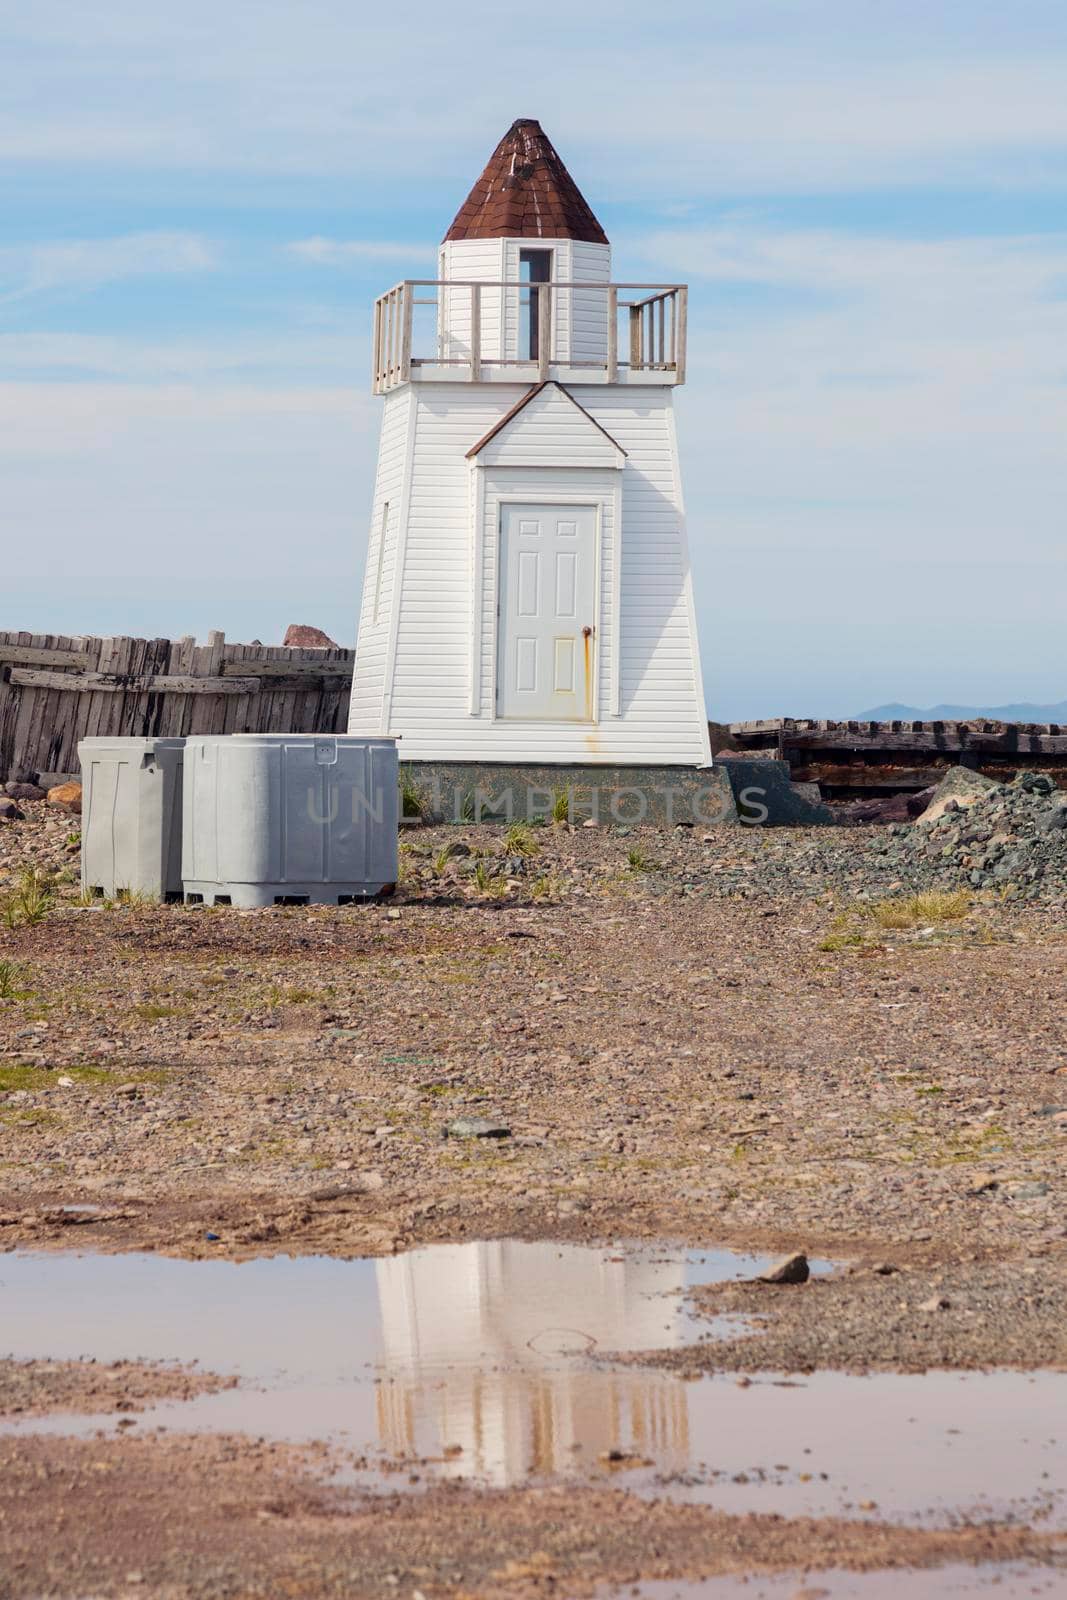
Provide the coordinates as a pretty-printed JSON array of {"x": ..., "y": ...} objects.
[
  {"x": 34, "y": 1388},
  {"x": 182, "y": 1518},
  {"x": 678, "y": 1047},
  {"x": 877, "y": 1317},
  {"x": 716, "y": 1038}
]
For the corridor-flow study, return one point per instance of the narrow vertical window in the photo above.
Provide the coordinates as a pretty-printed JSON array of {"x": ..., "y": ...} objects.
[
  {"x": 535, "y": 266},
  {"x": 383, "y": 534}
]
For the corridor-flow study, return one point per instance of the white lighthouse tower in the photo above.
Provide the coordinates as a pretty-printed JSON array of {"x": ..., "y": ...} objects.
[{"x": 527, "y": 596}]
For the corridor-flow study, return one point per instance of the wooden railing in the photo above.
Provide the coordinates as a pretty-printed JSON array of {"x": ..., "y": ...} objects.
[{"x": 462, "y": 348}]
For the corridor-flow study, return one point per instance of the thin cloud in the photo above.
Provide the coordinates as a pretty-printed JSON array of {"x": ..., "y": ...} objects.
[
  {"x": 82, "y": 265},
  {"x": 738, "y": 98},
  {"x": 340, "y": 252}
]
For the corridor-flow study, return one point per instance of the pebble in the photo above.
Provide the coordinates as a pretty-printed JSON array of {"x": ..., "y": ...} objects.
[
  {"x": 790, "y": 1269},
  {"x": 477, "y": 1128}
]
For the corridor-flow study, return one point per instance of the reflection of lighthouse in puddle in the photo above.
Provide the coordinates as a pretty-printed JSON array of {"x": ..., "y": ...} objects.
[{"x": 485, "y": 1348}]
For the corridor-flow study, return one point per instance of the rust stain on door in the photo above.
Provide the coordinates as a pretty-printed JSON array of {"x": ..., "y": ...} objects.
[{"x": 587, "y": 665}]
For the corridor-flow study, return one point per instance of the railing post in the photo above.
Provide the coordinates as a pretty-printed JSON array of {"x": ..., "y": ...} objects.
[
  {"x": 376, "y": 358},
  {"x": 635, "y": 336},
  {"x": 544, "y": 330},
  {"x": 476, "y": 332},
  {"x": 613, "y": 334},
  {"x": 662, "y": 330},
  {"x": 407, "y": 298},
  {"x": 679, "y": 358}
]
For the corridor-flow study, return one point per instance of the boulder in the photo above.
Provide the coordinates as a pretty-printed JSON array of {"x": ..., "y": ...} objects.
[
  {"x": 961, "y": 787},
  {"x": 23, "y": 791},
  {"x": 9, "y": 811},
  {"x": 299, "y": 636},
  {"x": 67, "y": 796}
]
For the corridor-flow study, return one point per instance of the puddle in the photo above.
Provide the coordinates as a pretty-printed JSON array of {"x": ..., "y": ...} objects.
[
  {"x": 998, "y": 1581},
  {"x": 475, "y": 1361}
]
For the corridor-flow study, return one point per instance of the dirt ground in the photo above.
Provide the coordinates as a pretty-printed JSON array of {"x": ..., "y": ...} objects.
[
  {"x": 669, "y": 1038},
  {"x": 667, "y": 1064},
  {"x": 36, "y": 1388},
  {"x": 177, "y": 1517}
]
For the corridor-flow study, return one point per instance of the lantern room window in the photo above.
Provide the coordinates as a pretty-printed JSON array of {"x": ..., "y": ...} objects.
[{"x": 535, "y": 266}]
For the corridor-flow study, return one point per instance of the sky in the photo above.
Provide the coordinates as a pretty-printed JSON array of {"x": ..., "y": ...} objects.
[{"x": 201, "y": 202}]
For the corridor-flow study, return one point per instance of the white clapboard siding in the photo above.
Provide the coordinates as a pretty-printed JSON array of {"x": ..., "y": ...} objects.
[
  {"x": 590, "y": 263},
  {"x": 551, "y": 431},
  {"x": 443, "y": 648},
  {"x": 379, "y": 578},
  {"x": 470, "y": 260}
]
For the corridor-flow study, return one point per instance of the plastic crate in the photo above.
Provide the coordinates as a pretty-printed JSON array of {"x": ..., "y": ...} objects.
[
  {"x": 131, "y": 822},
  {"x": 278, "y": 818}
]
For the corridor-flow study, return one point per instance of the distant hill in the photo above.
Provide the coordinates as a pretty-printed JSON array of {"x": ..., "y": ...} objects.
[{"x": 1016, "y": 713}]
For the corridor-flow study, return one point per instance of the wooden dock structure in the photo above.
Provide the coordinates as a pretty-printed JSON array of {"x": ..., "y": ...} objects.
[{"x": 56, "y": 689}]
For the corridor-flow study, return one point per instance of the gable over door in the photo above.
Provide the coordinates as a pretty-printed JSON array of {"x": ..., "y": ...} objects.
[{"x": 546, "y": 630}]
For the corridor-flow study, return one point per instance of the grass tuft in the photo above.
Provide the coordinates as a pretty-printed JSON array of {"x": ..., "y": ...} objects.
[
  {"x": 921, "y": 910},
  {"x": 11, "y": 974},
  {"x": 561, "y": 805},
  {"x": 488, "y": 883},
  {"x": 519, "y": 841},
  {"x": 412, "y": 799},
  {"x": 547, "y": 887},
  {"x": 30, "y": 901}
]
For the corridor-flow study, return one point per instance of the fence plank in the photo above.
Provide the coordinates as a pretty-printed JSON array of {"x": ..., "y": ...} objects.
[
  {"x": 43, "y": 656},
  {"x": 287, "y": 669},
  {"x": 131, "y": 683}
]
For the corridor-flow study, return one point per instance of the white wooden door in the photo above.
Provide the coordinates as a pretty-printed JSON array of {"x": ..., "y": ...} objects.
[{"x": 546, "y": 629}]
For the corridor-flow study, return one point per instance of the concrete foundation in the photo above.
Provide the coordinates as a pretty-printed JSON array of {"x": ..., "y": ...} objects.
[{"x": 750, "y": 792}]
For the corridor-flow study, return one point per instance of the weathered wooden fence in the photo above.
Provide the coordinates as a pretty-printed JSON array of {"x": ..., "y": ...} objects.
[{"x": 55, "y": 690}]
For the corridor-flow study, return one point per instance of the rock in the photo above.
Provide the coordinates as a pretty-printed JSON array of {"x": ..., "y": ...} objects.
[
  {"x": 807, "y": 791},
  {"x": 477, "y": 1128},
  {"x": 961, "y": 785},
  {"x": 128, "y": 1091},
  {"x": 936, "y": 1302},
  {"x": 67, "y": 796},
  {"x": 790, "y": 1269},
  {"x": 1053, "y": 821},
  {"x": 9, "y": 811},
  {"x": 299, "y": 636},
  {"x": 1034, "y": 782},
  {"x": 884, "y": 808},
  {"x": 1027, "y": 1191},
  {"x": 23, "y": 791}
]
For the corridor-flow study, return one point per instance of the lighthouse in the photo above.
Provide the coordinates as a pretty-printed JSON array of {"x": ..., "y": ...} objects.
[{"x": 527, "y": 596}]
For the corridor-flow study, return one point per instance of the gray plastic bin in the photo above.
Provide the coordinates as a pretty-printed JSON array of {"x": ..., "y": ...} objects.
[
  {"x": 288, "y": 818},
  {"x": 132, "y": 816}
]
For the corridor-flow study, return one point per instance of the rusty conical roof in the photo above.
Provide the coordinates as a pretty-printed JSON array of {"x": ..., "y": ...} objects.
[{"x": 526, "y": 192}]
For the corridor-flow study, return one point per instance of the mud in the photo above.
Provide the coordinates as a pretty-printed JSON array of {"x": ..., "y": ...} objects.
[
  {"x": 211, "y": 1517},
  {"x": 34, "y": 1388}
]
